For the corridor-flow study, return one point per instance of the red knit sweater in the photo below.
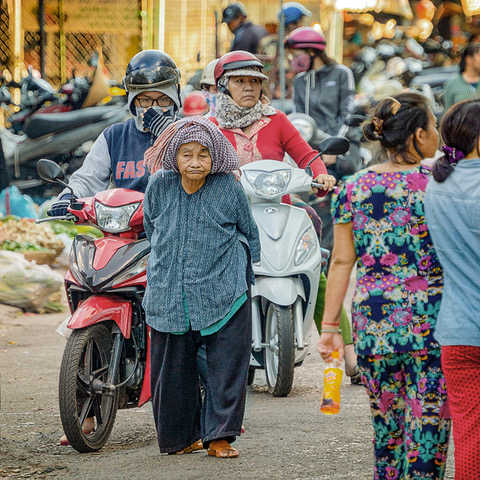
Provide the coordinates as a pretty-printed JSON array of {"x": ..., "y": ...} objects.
[{"x": 269, "y": 139}]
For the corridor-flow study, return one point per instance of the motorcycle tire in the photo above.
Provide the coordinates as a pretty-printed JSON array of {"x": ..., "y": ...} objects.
[
  {"x": 85, "y": 360},
  {"x": 279, "y": 356}
]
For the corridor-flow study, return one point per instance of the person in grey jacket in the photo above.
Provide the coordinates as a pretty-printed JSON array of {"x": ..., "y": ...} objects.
[
  {"x": 152, "y": 81},
  {"x": 323, "y": 89},
  {"x": 204, "y": 239}
]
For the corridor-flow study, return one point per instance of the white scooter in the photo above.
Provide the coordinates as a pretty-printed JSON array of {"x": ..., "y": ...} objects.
[{"x": 286, "y": 279}]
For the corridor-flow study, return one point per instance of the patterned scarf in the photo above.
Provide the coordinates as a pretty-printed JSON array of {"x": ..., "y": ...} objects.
[
  {"x": 231, "y": 115},
  {"x": 163, "y": 153}
]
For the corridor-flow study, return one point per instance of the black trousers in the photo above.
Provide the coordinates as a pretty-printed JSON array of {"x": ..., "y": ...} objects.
[{"x": 180, "y": 417}]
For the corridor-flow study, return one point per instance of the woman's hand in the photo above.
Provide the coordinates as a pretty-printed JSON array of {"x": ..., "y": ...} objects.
[
  {"x": 328, "y": 343},
  {"x": 327, "y": 180}
]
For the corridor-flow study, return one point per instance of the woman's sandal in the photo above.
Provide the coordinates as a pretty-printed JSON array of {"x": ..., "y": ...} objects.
[
  {"x": 222, "y": 449},
  {"x": 198, "y": 445}
]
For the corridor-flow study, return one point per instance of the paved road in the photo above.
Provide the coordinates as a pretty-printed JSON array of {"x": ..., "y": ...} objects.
[{"x": 285, "y": 439}]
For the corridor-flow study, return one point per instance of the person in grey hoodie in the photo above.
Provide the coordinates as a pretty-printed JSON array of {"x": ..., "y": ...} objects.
[
  {"x": 323, "y": 88},
  {"x": 152, "y": 81}
]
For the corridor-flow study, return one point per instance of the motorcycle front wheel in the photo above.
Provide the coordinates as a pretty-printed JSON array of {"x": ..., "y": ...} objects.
[
  {"x": 84, "y": 369},
  {"x": 279, "y": 355}
]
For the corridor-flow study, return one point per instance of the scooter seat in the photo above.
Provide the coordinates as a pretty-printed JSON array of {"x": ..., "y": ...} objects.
[{"x": 41, "y": 124}]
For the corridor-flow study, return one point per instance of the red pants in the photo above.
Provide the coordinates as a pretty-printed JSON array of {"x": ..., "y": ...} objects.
[{"x": 461, "y": 367}]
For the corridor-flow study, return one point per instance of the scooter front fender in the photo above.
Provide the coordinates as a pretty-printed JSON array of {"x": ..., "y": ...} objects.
[
  {"x": 100, "y": 308},
  {"x": 279, "y": 290}
]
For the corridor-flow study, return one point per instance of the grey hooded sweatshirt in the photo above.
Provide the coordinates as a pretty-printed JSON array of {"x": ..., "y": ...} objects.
[{"x": 327, "y": 95}]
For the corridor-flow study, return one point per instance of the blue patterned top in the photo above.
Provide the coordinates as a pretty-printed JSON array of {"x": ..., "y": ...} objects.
[
  {"x": 399, "y": 277},
  {"x": 197, "y": 249}
]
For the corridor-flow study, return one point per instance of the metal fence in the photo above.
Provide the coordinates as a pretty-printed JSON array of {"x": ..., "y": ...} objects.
[
  {"x": 74, "y": 31},
  {"x": 191, "y": 32},
  {"x": 5, "y": 35}
]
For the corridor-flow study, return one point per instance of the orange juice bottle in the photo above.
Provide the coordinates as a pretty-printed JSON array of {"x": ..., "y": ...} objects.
[{"x": 332, "y": 379}]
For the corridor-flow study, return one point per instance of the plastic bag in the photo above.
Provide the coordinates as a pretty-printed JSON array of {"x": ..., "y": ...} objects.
[
  {"x": 12, "y": 202},
  {"x": 64, "y": 257},
  {"x": 25, "y": 284},
  {"x": 63, "y": 330}
]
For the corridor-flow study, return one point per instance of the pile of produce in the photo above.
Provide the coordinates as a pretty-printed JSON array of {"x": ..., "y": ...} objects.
[
  {"x": 24, "y": 235},
  {"x": 27, "y": 284}
]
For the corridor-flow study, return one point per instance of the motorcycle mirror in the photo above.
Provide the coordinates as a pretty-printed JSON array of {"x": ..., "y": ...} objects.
[
  {"x": 50, "y": 171},
  {"x": 334, "y": 146}
]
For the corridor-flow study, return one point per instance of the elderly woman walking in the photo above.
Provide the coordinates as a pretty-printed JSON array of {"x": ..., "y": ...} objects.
[{"x": 204, "y": 238}]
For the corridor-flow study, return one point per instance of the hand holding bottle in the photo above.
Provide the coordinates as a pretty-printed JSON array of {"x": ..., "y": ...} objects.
[{"x": 332, "y": 379}]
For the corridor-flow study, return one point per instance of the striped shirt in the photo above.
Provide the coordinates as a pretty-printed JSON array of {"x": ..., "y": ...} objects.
[{"x": 457, "y": 89}]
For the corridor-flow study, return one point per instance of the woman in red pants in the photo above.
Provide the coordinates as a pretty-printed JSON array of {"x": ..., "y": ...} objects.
[{"x": 453, "y": 217}]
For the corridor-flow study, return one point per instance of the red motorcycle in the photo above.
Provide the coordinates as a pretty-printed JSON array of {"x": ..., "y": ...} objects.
[{"x": 106, "y": 362}]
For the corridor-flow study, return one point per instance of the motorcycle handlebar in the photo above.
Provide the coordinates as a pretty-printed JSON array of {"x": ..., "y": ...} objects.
[
  {"x": 318, "y": 185},
  {"x": 68, "y": 216}
]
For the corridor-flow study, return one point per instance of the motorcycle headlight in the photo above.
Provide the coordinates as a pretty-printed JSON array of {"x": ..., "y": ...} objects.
[
  {"x": 306, "y": 243},
  {"x": 268, "y": 184},
  {"x": 133, "y": 270},
  {"x": 114, "y": 219}
]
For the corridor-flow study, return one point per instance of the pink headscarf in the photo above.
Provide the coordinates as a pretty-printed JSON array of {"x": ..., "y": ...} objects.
[{"x": 163, "y": 153}]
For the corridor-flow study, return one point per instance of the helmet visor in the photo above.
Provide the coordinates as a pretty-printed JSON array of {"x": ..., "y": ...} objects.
[{"x": 151, "y": 77}]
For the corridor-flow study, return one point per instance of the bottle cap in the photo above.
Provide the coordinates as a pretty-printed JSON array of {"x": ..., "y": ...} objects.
[{"x": 335, "y": 354}]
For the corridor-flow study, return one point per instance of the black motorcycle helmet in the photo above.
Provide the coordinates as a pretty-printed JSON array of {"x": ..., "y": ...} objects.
[
  {"x": 233, "y": 11},
  {"x": 153, "y": 70}
]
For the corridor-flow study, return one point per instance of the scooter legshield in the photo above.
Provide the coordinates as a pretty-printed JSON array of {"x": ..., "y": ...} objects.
[
  {"x": 100, "y": 308},
  {"x": 280, "y": 290}
]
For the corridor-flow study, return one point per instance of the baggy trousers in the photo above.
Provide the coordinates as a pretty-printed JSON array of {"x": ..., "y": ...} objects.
[
  {"x": 410, "y": 414},
  {"x": 175, "y": 384}
]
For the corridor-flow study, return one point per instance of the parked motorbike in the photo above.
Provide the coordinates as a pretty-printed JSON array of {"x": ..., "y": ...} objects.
[
  {"x": 105, "y": 365},
  {"x": 287, "y": 276},
  {"x": 6, "y": 102},
  {"x": 35, "y": 93},
  {"x": 65, "y": 137}
]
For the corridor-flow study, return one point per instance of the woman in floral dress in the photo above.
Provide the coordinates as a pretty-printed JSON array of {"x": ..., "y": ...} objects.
[{"x": 380, "y": 227}]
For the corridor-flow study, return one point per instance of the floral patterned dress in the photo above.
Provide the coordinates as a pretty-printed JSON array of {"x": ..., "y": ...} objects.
[
  {"x": 399, "y": 277},
  {"x": 394, "y": 312}
]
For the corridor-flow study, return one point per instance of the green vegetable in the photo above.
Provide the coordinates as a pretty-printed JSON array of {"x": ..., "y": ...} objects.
[
  {"x": 63, "y": 226},
  {"x": 14, "y": 246}
]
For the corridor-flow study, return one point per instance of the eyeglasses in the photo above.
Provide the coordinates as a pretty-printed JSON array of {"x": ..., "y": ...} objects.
[{"x": 147, "y": 102}]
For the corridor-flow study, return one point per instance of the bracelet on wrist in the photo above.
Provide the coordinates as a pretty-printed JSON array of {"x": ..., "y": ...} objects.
[
  {"x": 332, "y": 324},
  {"x": 331, "y": 330}
]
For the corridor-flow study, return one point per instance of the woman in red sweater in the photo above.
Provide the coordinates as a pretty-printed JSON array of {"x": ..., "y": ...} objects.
[{"x": 256, "y": 129}]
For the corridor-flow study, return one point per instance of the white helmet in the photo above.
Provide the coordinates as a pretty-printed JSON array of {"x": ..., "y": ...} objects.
[{"x": 208, "y": 77}]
